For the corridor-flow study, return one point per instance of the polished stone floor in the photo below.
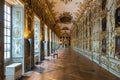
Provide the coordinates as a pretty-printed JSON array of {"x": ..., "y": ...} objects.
[{"x": 69, "y": 66}]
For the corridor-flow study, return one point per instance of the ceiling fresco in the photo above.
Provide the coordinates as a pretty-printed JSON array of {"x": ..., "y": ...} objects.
[
  {"x": 59, "y": 7},
  {"x": 65, "y": 12},
  {"x": 14, "y": 2},
  {"x": 57, "y": 14}
]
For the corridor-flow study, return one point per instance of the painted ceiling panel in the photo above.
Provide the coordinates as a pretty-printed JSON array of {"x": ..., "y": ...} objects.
[
  {"x": 61, "y": 7},
  {"x": 65, "y": 12}
]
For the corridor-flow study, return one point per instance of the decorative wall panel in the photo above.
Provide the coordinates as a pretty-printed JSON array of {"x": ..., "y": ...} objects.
[
  {"x": 105, "y": 34},
  {"x": 37, "y": 38},
  {"x": 18, "y": 31},
  {"x": 46, "y": 40},
  {"x": 18, "y": 34}
]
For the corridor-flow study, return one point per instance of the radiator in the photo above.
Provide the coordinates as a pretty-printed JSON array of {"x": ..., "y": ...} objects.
[{"x": 13, "y": 71}]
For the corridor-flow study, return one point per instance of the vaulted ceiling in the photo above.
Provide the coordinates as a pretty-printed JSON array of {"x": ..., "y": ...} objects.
[
  {"x": 60, "y": 15},
  {"x": 65, "y": 13}
]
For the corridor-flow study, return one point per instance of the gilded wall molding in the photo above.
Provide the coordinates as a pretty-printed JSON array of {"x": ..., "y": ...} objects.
[{"x": 118, "y": 3}]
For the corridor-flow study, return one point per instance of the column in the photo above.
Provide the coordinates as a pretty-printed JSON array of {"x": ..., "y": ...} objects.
[
  {"x": 52, "y": 40},
  {"x": 41, "y": 41},
  {"x": 28, "y": 39},
  {"x": 48, "y": 45}
]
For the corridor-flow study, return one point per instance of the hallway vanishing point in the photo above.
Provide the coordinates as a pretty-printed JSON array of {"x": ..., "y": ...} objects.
[{"x": 69, "y": 66}]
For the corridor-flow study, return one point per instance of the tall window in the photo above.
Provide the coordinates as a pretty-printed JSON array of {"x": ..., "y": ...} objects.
[{"x": 7, "y": 31}]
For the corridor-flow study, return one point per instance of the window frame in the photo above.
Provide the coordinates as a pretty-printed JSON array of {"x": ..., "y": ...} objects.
[{"x": 10, "y": 28}]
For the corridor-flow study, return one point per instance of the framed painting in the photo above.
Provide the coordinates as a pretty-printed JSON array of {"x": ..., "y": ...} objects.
[
  {"x": 118, "y": 17},
  {"x": 104, "y": 24},
  {"x": 103, "y": 4}
]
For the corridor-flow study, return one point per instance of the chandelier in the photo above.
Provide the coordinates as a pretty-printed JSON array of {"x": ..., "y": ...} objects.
[{"x": 66, "y": 1}]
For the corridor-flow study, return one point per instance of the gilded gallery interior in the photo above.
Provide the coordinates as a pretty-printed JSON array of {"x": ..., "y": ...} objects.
[{"x": 59, "y": 39}]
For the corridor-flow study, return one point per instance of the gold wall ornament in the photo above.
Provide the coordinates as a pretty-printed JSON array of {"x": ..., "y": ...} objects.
[
  {"x": 118, "y": 3},
  {"x": 118, "y": 31},
  {"x": 66, "y": 1}
]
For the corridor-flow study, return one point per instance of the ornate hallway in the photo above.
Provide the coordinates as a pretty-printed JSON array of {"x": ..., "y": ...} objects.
[
  {"x": 69, "y": 66},
  {"x": 32, "y": 30}
]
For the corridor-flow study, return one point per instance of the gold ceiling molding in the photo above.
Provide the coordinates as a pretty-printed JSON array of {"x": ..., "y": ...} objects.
[
  {"x": 46, "y": 13},
  {"x": 66, "y": 1},
  {"x": 81, "y": 7},
  {"x": 64, "y": 33},
  {"x": 65, "y": 28},
  {"x": 50, "y": 6},
  {"x": 85, "y": 6},
  {"x": 14, "y": 2},
  {"x": 66, "y": 14},
  {"x": 66, "y": 17},
  {"x": 54, "y": 9}
]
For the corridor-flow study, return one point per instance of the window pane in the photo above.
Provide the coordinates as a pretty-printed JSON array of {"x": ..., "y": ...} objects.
[
  {"x": 8, "y": 17},
  {"x": 8, "y": 39},
  {"x": 8, "y": 54},
  {"x": 5, "y": 16},
  {"x": 4, "y": 31},
  {"x": 4, "y": 23},
  {"x": 8, "y": 24},
  {"x": 5, "y": 55},
  {"x": 8, "y": 47},
  {"x": 5, "y": 8},
  {"x": 5, "y": 48},
  {"x": 8, "y": 9},
  {"x": 5, "y": 39},
  {"x": 8, "y": 32}
]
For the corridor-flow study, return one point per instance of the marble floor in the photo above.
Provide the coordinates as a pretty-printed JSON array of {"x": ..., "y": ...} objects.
[{"x": 70, "y": 65}]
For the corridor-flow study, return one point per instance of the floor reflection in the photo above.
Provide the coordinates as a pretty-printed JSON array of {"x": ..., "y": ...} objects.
[{"x": 69, "y": 66}]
